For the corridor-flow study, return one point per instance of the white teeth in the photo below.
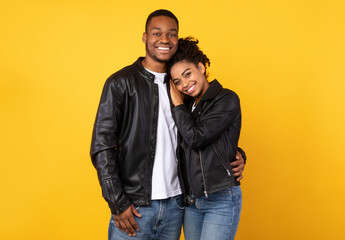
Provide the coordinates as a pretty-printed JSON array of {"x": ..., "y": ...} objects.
[
  {"x": 190, "y": 89},
  {"x": 163, "y": 48}
]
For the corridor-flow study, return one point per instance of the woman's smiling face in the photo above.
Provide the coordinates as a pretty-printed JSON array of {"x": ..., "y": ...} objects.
[{"x": 189, "y": 79}]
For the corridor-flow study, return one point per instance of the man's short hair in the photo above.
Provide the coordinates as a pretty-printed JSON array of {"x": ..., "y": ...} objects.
[{"x": 160, "y": 12}]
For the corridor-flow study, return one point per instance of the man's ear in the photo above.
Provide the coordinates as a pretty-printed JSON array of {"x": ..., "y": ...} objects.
[
  {"x": 201, "y": 67},
  {"x": 144, "y": 37}
]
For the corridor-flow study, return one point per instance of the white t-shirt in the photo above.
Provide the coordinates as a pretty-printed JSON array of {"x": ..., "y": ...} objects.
[
  {"x": 165, "y": 182},
  {"x": 193, "y": 107}
]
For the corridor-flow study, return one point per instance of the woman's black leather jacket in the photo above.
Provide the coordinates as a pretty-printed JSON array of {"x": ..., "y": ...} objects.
[{"x": 208, "y": 141}]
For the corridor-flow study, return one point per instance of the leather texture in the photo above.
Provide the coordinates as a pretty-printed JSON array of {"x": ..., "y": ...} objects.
[
  {"x": 208, "y": 140},
  {"x": 124, "y": 137}
]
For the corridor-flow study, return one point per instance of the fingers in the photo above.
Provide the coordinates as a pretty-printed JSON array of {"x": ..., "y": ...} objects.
[
  {"x": 237, "y": 174},
  {"x": 129, "y": 227},
  {"x": 176, "y": 96},
  {"x": 126, "y": 222},
  {"x": 238, "y": 155},
  {"x": 117, "y": 224},
  {"x": 133, "y": 224},
  {"x": 172, "y": 85},
  {"x": 135, "y": 212},
  {"x": 235, "y": 163},
  {"x": 239, "y": 178},
  {"x": 238, "y": 166},
  {"x": 126, "y": 225},
  {"x": 238, "y": 169}
]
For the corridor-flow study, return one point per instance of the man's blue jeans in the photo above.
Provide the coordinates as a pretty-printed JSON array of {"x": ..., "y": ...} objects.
[
  {"x": 161, "y": 220},
  {"x": 215, "y": 217}
]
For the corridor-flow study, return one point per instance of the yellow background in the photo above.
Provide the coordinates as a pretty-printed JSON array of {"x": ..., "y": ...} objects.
[{"x": 284, "y": 58}]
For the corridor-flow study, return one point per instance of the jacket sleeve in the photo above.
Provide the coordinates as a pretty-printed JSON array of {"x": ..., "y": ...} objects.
[
  {"x": 199, "y": 133},
  {"x": 103, "y": 147}
]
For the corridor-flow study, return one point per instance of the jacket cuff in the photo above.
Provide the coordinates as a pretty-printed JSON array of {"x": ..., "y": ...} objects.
[
  {"x": 180, "y": 107},
  {"x": 120, "y": 208}
]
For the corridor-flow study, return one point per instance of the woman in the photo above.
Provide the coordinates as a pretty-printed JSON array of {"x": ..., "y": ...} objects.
[{"x": 208, "y": 118}]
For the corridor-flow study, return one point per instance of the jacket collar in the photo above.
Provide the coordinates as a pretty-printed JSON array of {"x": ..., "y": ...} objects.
[
  {"x": 212, "y": 91},
  {"x": 142, "y": 70}
]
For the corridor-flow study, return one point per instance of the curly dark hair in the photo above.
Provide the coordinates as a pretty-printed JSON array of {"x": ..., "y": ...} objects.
[{"x": 189, "y": 51}]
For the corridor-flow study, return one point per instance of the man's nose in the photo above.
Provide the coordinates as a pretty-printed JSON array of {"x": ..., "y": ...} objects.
[{"x": 164, "y": 38}]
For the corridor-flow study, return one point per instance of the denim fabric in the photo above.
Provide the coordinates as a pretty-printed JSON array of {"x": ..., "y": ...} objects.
[
  {"x": 215, "y": 217},
  {"x": 161, "y": 220}
]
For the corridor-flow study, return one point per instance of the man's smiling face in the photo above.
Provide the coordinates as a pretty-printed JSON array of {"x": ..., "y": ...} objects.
[{"x": 161, "y": 38}]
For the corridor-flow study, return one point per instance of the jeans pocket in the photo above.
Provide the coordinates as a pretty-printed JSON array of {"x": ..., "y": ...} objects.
[
  {"x": 178, "y": 202},
  {"x": 237, "y": 191},
  {"x": 227, "y": 191},
  {"x": 237, "y": 196}
]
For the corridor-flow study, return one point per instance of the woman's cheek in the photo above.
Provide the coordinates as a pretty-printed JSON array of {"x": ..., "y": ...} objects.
[{"x": 179, "y": 88}]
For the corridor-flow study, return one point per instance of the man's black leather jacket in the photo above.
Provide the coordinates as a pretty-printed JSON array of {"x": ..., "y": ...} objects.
[
  {"x": 124, "y": 137},
  {"x": 209, "y": 141}
]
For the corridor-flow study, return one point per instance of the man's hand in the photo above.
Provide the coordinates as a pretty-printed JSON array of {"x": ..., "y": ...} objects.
[
  {"x": 238, "y": 166},
  {"x": 126, "y": 222}
]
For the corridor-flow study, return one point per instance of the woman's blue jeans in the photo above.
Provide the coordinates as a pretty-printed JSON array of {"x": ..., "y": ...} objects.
[{"x": 215, "y": 217}]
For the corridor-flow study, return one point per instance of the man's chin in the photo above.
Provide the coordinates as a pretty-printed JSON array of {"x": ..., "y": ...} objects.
[{"x": 162, "y": 60}]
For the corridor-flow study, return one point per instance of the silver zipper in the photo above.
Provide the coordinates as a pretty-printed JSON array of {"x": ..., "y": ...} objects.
[
  {"x": 202, "y": 169},
  {"x": 221, "y": 161},
  {"x": 203, "y": 176},
  {"x": 111, "y": 192}
]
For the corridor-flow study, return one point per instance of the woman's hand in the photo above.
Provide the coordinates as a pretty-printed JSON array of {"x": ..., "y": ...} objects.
[{"x": 176, "y": 96}]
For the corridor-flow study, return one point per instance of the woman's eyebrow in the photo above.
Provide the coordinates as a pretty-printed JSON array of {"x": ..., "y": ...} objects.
[{"x": 185, "y": 71}]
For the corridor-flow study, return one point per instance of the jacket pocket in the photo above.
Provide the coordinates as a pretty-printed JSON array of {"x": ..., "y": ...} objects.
[{"x": 220, "y": 160}]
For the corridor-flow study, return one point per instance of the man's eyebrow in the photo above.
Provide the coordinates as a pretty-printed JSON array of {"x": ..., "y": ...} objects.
[{"x": 157, "y": 28}]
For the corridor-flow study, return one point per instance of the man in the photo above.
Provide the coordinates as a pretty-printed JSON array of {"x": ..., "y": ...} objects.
[{"x": 135, "y": 138}]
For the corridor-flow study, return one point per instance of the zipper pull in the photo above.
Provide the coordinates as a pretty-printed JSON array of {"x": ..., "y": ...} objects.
[{"x": 227, "y": 170}]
